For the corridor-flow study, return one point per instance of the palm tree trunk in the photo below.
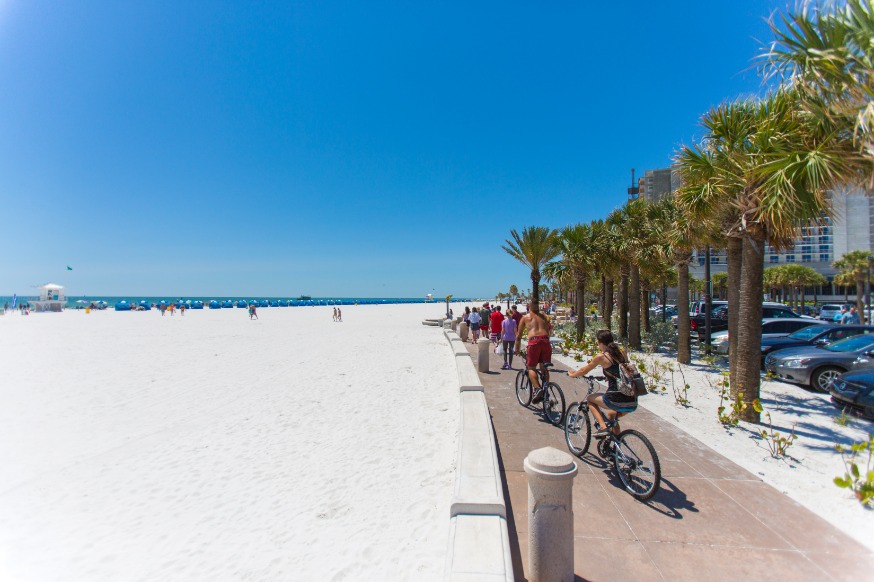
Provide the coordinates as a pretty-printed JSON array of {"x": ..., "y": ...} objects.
[
  {"x": 735, "y": 262},
  {"x": 860, "y": 289},
  {"x": 684, "y": 345},
  {"x": 623, "y": 301},
  {"x": 580, "y": 306},
  {"x": 644, "y": 305},
  {"x": 603, "y": 306},
  {"x": 749, "y": 347},
  {"x": 802, "y": 301},
  {"x": 634, "y": 309},
  {"x": 608, "y": 303},
  {"x": 535, "y": 291}
]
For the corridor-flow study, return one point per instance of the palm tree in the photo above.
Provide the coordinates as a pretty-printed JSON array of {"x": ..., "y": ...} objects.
[
  {"x": 855, "y": 264},
  {"x": 579, "y": 251},
  {"x": 618, "y": 222},
  {"x": 720, "y": 283},
  {"x": 682, "y": 235},
  {"x": 535, "y": 247},
  {"x": 775, "y": 166},
  {"x": 828, "y": 55},
  {"x": 607, "y": 265},
  {"x": 514, "y": 291},
  {"x": 712, "y": 176}
]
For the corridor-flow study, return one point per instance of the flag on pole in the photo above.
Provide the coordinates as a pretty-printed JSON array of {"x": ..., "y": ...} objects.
[
  {"x": 14, "y": 300},
  {"x": 69, "y": 268}
]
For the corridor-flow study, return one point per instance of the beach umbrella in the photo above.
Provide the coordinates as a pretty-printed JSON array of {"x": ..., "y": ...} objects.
[{"x": 122, "y": 306}]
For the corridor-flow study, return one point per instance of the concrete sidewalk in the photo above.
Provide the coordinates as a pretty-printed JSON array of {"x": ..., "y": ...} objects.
[{"x": 710, "y": 518}]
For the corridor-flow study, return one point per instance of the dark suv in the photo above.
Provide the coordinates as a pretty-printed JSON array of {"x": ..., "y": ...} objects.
[{"x": 719, "y": 318}]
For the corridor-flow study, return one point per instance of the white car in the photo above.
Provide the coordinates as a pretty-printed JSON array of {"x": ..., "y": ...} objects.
[{"x": 771, "y": 327}]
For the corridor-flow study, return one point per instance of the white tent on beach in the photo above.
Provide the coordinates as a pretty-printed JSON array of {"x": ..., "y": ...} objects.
[{"x": 51, "y": 298}]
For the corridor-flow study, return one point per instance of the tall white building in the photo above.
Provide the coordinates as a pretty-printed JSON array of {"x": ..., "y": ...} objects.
[{"x": 850, "y": 228}]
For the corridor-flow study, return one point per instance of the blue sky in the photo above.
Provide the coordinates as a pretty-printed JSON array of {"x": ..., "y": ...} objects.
[{"x": 336, "y": 148}]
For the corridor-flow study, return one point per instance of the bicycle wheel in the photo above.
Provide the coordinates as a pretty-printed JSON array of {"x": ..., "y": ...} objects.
[
  {"x": 578, "y": 429},
  {"x": 553, "y": 403},
  {"x": 523, "y": 388},
  {"x": 637, "y": 464}
]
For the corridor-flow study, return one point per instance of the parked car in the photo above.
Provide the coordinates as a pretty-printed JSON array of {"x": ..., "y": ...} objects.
[
  {"x": 817, "y": 366},
  {"x": 810, "y": 310},
  {"x": 719, "y": 318},
  {"x": 855, "y": 391},
  {"x": 771, "y": 328},
  {"x": 813, "y": 335},
  {"x": 827, "y": 312}
]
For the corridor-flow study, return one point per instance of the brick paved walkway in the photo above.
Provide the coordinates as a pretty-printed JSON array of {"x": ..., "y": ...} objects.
[{"x": 710, "y": 518}]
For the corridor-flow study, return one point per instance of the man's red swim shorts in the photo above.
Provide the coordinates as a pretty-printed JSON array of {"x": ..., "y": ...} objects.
[{"x": 539, "y": 350}]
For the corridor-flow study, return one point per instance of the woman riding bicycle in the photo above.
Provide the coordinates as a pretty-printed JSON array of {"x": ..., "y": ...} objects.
[{"x": 616, "y": 403}]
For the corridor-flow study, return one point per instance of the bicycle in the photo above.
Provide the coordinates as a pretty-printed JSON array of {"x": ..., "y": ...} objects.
[
  {"x": 634, "y": 458},
  {"x": 553, "y": 398}
]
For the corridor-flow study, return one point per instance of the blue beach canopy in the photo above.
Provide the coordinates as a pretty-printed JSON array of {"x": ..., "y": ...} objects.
[
  {"x": 242, "y": 304},
  {"x": 122, "y": 306}
]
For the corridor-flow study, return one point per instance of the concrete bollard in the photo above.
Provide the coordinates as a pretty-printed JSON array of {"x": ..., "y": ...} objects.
[
  {"x": 446, "y": 324},
  {"x": 463, "y": 331},
  {"x": 550, "y": 515},
  {"x": 482, "y": 361},
  {"x": 454, "y": 325}
]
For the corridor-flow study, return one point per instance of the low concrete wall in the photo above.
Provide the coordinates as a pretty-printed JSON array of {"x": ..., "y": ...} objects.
[{"x": 479, "y": 543}]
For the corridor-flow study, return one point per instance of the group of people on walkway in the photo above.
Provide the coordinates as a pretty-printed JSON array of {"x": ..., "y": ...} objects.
[{"x": 501, "y": 328}]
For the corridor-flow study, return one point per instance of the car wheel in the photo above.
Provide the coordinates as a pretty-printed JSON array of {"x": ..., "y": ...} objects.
[{"x": 822, "y": 378}]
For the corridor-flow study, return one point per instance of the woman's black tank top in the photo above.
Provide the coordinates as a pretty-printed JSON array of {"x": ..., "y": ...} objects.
[{"x": 612, "y": 374}]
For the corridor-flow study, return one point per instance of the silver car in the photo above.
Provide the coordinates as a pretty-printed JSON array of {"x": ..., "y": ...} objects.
[
  {"x": 828, "y": 312},
  {"x": 771, "y": 327},
  {"x": 817, "y": 366}
]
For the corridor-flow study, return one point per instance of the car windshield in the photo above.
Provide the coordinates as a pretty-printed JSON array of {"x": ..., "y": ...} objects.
[
  {"x": 852, "y": 344},
  {"x": 805, "y": 333}
]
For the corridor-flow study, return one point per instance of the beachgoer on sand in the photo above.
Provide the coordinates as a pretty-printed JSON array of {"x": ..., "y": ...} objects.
[
  {"x": 339, "y": 314},
  {"x": 612, "y": 400},
  {"x": 539, "y": 349},
  {"x": 475, "y": 321}
]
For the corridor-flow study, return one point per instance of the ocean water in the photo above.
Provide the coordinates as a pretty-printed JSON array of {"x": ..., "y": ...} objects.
[{"x": 111, "y": 300}]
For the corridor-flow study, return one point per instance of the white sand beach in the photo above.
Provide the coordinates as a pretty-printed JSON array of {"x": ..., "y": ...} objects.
[{"x": 212, "y": 447}]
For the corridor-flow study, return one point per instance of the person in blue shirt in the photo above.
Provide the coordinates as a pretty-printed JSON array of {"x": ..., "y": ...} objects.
[{"x": 851, "y": 317}]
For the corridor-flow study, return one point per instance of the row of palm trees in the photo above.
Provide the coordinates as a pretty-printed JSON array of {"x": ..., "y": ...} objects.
[{"x": 764, "y": 167}]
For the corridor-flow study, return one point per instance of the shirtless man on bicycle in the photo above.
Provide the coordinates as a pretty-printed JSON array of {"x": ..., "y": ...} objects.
[{"x": 539, "y": 348}]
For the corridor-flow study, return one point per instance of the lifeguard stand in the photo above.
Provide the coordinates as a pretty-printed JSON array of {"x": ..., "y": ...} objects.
[{"x": 51, "y": 298}]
